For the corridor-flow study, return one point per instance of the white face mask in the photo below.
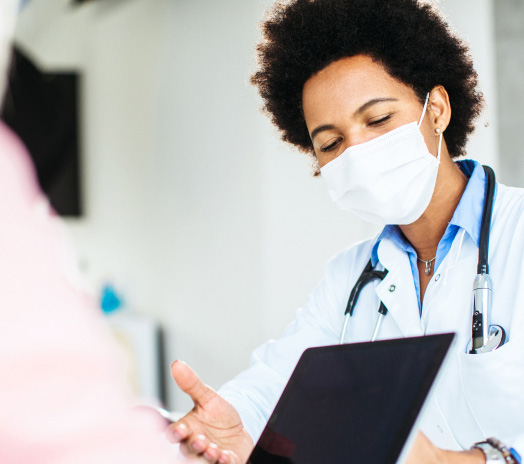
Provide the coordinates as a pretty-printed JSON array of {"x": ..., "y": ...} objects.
[{"x": 388, "y": 180}]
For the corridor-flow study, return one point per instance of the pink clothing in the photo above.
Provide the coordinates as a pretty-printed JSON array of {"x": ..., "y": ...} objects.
[{"x": 63, "y": 396}]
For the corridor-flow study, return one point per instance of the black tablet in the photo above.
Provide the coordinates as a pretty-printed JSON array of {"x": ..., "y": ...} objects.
[{"x": 352, "y": 404}]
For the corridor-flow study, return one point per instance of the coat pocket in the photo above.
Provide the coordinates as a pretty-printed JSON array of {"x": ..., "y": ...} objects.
[{"x": 493, "y": 385}]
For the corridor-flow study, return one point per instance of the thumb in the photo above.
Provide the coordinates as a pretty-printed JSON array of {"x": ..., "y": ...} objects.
[{"x": 189, "y": 382}]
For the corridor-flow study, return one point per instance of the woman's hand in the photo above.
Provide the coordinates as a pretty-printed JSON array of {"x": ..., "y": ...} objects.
[
  {"x": 213, "y": 429},
  {"x": 425, "y": 452}
]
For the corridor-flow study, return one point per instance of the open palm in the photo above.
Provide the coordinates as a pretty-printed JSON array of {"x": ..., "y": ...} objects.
[{"x": 212, "y": 429}]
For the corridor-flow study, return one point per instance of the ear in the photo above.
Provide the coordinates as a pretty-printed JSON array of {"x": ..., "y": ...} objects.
[{"x": 439, "y": 107}]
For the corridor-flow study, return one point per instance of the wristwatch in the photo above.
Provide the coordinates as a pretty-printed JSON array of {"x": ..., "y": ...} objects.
[
  {"x": 492, "y": 454},
  {"x": 497, "y": 452}
]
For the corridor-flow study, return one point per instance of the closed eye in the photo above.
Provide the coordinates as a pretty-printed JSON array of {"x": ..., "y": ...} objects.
[
  {"x": 380, "y": 121},
  {"x": 330, "y": 146}
]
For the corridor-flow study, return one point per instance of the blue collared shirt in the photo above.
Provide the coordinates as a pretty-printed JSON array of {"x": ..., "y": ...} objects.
[{"x": 467, "y": 216}]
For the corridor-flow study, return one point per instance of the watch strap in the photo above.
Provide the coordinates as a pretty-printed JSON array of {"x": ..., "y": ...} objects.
[
  {"x": 492, "y": 454},
  {"x": 496, "y": 452}
]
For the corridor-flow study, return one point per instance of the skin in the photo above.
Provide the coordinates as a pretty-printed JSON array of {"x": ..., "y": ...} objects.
[
  {"x": 212, "y": 431},
  {"x": 349, "y": 102}
]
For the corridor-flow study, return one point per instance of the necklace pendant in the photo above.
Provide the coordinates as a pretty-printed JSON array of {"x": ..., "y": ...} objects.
[{"x": 428, "y": 268}]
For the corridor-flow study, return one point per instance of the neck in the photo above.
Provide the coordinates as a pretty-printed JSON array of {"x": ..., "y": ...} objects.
[{"x": 426, "y": 233}]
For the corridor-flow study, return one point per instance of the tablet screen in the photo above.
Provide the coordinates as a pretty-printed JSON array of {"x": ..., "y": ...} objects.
[{"x": 352, "y": 403}]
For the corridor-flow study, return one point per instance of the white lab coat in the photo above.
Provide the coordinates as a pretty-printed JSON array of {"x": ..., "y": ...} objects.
[{"x": 476, "y": 396}]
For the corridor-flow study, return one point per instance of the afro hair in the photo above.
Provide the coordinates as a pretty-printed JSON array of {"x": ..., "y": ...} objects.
[{"x": 408, "y": 37}]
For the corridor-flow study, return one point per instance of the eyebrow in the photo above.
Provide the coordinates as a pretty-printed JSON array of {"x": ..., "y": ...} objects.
[{"x": 358, "y": 112}]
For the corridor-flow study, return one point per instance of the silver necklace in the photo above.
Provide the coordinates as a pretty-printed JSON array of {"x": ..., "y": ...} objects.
[{"x": 427, "y": 271}]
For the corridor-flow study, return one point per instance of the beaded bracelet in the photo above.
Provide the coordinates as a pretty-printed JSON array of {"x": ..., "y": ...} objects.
[{"x": 506, "y": 452}]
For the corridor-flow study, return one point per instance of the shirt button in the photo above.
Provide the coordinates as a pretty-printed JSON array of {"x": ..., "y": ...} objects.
[
  {"x": 437, "y": 277},
  {"x": 392, "y": 288}
]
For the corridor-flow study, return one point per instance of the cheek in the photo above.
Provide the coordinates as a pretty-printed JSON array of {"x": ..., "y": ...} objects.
[{"x": 324, "y": 158}]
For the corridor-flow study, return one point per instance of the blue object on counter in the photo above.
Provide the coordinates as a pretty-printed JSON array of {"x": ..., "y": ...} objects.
[{"x": 109, "y": 299}]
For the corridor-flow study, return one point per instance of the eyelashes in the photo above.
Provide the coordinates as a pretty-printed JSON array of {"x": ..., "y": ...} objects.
[
  {"x": 330, "y": 145},
  {"x": 333, "y": 143},
  {"x": 380, "y": 121}
]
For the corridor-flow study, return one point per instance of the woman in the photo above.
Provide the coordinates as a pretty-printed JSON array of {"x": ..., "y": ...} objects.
[{"x": 384, "y": 96}]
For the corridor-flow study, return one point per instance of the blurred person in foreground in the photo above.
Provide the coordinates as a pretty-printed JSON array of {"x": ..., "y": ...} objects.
[{"x": 63, "y": 392}]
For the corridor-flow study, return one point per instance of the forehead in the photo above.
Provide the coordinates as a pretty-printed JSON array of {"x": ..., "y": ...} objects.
[{"x": 346, "y": 84}]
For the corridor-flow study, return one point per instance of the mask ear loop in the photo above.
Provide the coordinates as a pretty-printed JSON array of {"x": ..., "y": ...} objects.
[
  {"x": 438, "y": 130},
  {"x": 439, "y": 144},
  {"x": 424, "y": 110}
]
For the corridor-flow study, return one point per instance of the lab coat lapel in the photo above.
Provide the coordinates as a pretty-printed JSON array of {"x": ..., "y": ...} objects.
[{"x": 397, "y": 290}]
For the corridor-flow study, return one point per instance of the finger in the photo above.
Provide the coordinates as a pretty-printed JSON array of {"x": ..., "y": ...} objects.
[
  {"x": 177, "y": 432},
  {"x": 228, "y": 457},
  {"x": 191, "y": 384},
  {"x": 198, "y": 444},
  {"x": 184, "y": 450},
  {"x": 184, "y": 458},
  {"x": 212, "y": 453}
]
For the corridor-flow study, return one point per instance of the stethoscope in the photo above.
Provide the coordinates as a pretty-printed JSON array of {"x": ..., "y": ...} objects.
[{"x": 484, "y": 337}]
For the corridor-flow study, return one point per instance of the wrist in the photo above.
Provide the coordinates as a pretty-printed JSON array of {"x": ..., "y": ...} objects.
[{"x": 472, "y": 456}]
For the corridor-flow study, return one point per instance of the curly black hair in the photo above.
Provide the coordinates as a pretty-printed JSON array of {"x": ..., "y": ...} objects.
[{"x": 408, "y": 37}]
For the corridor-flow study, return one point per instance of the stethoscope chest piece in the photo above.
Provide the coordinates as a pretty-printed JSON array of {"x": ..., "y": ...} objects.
[{"x": 496, "y": 338}]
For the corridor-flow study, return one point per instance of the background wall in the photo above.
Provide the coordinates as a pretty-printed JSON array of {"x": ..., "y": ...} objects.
[
  {"x": 473, "y": 21},
  {"x": 194, "y": 208},
  {"x": 509, "y": 21}
]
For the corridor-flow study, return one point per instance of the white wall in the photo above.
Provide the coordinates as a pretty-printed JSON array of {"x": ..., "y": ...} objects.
[
  {"x": 509, "y": 17},
  {"x": 246, "y": 240},
  {"x": 473, "y": 20},
  {"x": 213, "y": 226}
]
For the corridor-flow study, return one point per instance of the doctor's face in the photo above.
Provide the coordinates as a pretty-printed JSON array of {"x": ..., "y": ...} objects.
[{"x": 354, "y": 100}]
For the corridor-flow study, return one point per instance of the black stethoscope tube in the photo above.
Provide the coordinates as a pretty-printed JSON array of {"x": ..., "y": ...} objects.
[
  {"x": 368, "y": 275},
  {"x": 485, "y": 225},
  {"x": 484, "y": 336}
]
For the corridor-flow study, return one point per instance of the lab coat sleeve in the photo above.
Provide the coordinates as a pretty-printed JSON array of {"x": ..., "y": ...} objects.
[
  {"x": 255, "y": 392},
  {"x": 518, "y": 445}
]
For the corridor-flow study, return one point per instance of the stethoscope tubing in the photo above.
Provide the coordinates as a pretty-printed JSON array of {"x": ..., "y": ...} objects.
[{"x": 485, "y": 225}]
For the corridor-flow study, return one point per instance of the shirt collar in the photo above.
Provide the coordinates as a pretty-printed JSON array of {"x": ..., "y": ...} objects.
[{"x": 467, "y": 216}]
